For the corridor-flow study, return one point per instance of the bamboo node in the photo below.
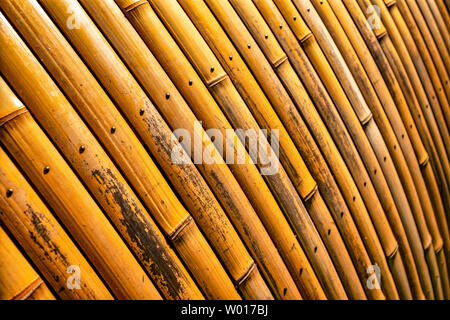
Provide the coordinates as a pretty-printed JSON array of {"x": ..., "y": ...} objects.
[
  {"x": 176, "y": 233},
  {"x": 134, "y": 5},
  {"x": 239, "y": 281}
]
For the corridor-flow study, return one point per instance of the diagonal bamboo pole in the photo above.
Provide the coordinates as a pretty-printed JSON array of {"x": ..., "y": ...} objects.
[
  {"x": 444, "y": 11},
  {"x": 153, "y": 130},
  {"x": 184, "y": 76},
  {"x": 260, "y": 107},
  {"x": 93, "y": 104},
  {"x": 440, "y": 21},
  {"x": 90, "y": 162},
  {"x": 408, "y": 136},
  {"x": 18, "y": 279},
  {"x": 427, "y": 22},
  {"x": 344, "y": 141},
  {"x": 431, "y": 61},
  {"x": 38, "y": 232},
  {"x": 170, "y": 103},
  {"x": 336, "y": 163}
]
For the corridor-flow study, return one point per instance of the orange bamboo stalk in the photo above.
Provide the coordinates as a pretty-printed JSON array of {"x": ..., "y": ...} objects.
[
  {"x": 18, "y": 279},
  {"x": 440, "y": 21},
  {"x": 92, "y": 102},
  {"x": 38, "y": 232},
  {"x": 431, "y": 60},
  {"x": 144, "y": 117},
  {"x": 444, "y": 11},
  {"x": 255, "y": 99},
  {"x": 336, "y": 163},
  {"x": 184, "y": 76},
  {"x": 137, "y": 56}
]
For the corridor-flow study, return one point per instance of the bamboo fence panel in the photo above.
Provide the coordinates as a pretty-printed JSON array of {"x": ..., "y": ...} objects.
[
  {"x": 347, "y": 148},
  {"x": 400, "y": 72},
  {"x": 137, "y": 56},
  {"x": 408, "y": 64},
  {"x": 92, "y": 103},
  {"x": 434, "y": 39},
  {"x": 261, "y": 109},
  {"x": 203, "y": 104},
  {"x": 411, "y": 144},
  {"x": 41, "y": 236},
  {"x": 90, "y": 162},
  {"x": 148, "y": 123},
  {"x": 332, "y": 155},
  {"x": 18, "y": 279},
  {"x": 390, "y": 180},
  {"x": 302, "y": 137},
  {"x": 359, "y": 45},
  {"x": 279, "y": 182},
  {"x": 428, "y": 64},
  {"x": 424, "y": 90}
]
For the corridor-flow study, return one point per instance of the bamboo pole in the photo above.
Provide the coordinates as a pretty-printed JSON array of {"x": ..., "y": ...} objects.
[
  {"x": 38, "y": 232},
  {"x": 429, "y": 60},
  {"x": 302, "y": 137},
  {"x": 261, "y": 109},
  {"x": 137, "y": 56},
  {"x": 342, "y": 216},
  {"x": 166, "y": 51},
  {"x": 148, "y": 123},
  {"x": 279, "y": 182},
  {"x": 91, "y": 163},
  {"x": 348, "y": 149},
  {"x": 434, "y": 39},
  {"x": 93, "y": 104},
  {"x": 18, "y": 279},
  {"x": 407, "y": 135},
  {"x": 418, "y": 73}
]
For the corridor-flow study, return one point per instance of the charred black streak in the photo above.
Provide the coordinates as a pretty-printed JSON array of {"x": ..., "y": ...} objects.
[
  {"x": 42, "y": 232},
  {"x": 149, "y": 246}
]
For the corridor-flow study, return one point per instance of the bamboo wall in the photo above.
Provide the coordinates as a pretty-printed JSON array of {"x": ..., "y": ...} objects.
[{"x": 96, "y": 97}]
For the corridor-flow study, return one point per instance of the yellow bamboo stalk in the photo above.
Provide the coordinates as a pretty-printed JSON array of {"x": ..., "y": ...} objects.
[
  {"x": 344, "y": 142},
  {"x": 407, "y": 136},
  {"x": 144, "y": 117},
  {"x": 184, "y": 76},
  {"x": 18, "y": 279},
  {"x": 169, "y": 101},
  {"x": 434, "y": 39},
  {"x": 38, "y": 232},
  {"x": 254, "y": 97},
  {"x": 444, "y": 11},
  {"x": 412, "y": 101},
  {"x": 93, "y": 104},
  {"x": 336, "y": 163},
  {"x": 431, "y": 60},
  {"x": 304, "y": 141}
]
